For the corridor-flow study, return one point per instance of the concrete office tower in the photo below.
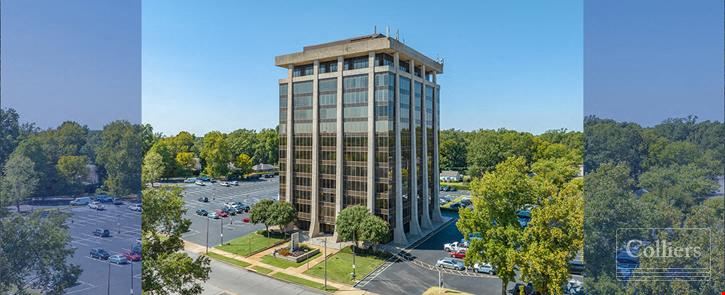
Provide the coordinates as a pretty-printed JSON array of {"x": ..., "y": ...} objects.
[{"x": 359, "y": 126}]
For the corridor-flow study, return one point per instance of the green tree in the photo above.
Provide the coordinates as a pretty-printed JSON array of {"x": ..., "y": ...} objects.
[
  {"x": 282, "y": 214},
  {"x": 266, "y": 148},
  {"x": 497, "y": 197},
  {"x": 262, "y": 213},
  {"x": 374, "y": 230},
  {"x": 185, "y": 162},
  {"x": 36, "y": 246},
  {"x": 153, "y": 168},
  {"x": 216, "y": 154},
  {"x": 9, "y": 133},
  {"x": 73, "y": 169},
  {"x": 244, "y": 164},
  {"x": 20, "y": 180},
  {"x": 349, "y": 222},
  {"x": 167, "y": 269},
  {"x": 552, "y": 238},
  {"x": 452, "y": 150},
  {"x": 120, "y": 155}
]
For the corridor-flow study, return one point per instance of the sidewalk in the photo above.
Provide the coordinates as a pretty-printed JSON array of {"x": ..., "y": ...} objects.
[{"x": 255, "y": 260}]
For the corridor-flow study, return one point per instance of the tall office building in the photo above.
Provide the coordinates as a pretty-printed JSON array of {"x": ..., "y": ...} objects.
[{"x": 358, "y": 125}]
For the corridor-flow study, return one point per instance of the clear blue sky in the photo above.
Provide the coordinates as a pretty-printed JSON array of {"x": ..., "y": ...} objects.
[
  {"x": 508, "y": 64},
  {"x": 74, "y": 60},
  {"x": 648, "y": 60}
]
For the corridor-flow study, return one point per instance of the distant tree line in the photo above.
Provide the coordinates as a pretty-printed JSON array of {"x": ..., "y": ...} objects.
[
  {"x": 216, "y": 154},
  {"x": 477, "y": 152}
]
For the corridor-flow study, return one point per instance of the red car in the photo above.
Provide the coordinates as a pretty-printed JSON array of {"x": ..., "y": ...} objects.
[
  {"x": 131, "y": 256},
  {"x": 460, "y": 254},
  {"x": 246, "y": 220},
  {"x": 221, "y": 213}
]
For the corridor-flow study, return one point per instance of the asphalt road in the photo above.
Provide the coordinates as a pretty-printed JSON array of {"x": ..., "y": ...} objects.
[
  {"x": 227, "y": 279},
  {"x": 248, "y": 192},
  {"x": 125, "y": 227}
]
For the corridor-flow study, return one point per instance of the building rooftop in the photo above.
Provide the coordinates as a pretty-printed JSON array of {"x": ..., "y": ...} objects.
[{"x": 355, "y": 47}]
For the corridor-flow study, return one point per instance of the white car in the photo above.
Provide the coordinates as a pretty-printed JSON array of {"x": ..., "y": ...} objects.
[
  {"x": 450, "y": 263},
  {"x": 94, "y": 205},
  {"x": 234, "y": 183},
  {"x": 224, "y": 183},
  {"x": 135, "y": 207},
  {"x": 199, "y": 183},
  {"x": 212, "y": 215},
  {"x": 484, "y": 268},
  {"x": 455, "y": 246}
]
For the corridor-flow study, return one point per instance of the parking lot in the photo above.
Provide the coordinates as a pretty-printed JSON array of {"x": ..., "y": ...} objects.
[
  {"x": 248, "y": 192},
  {"x": 125, "y": 228}
]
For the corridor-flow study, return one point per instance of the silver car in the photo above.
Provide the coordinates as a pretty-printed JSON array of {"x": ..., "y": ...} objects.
[
  {"x": 450, "y": 263},
  {"x": 117, "y": 259}
]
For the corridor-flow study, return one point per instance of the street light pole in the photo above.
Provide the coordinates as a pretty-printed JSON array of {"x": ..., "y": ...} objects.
[
  {"x": 353, "y": 254},
  {"x": 207, "y": 235},
  {"x": 108, "y": 289},
  {"x": 325, "y": 263},
  {"x": 131, "y": 279},
  {"x": 221, "y": 225}
]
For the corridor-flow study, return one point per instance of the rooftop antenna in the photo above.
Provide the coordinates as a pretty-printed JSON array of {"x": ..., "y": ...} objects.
[
  {"x": 397, "y": 35},
  {"x": 375, "y": 30},
  {"x": 387, "y": 31}
]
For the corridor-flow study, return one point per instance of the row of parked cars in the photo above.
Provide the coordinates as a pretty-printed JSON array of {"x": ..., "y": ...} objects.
[
  {"x": 123, "y": 258},
  {"x": 457, "y": 251},
  {"x": 229, "y": 209}
]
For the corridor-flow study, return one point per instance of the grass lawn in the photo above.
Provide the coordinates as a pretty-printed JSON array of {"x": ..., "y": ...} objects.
[
  {"x": 283, "y": 263},
  {"x": 441, "y": 291},
  {"x": 262, "y": 270},
  {"x": 251, "y": 243},
  {"x": 228, "y": 260},
  {"x": 339, "y": 266},
  {"x": 458, "y": 185},
  {"x": 304, "y": 282}
]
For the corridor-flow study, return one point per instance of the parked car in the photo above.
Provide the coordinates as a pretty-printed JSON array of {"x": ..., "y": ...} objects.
[
  {"x": 203, "y": 199},
  {"x": 118, "y": 259},
  {"x": 484, "y": 268},
  {"x": 95, "y": 205},
  {"x": 135, "y": 207},
  {"x": 453, "y": 188},
  {"x": 199, "y": 183},
  {"x": 202, "y": 212},
  {"x": 103, "y": 233},
  {"x": 117, "y": 201},
  {"x": 82, "y": 201},
  {"x": 221, "y": 213},
  {"x": 455, "y": 246},
  {"x": 234, "y": 183},
  {"x": 528, "y": 289},
  {"x": 190, "y": 180},
  {"x": 104, "y": 199},
  {"x": 203, "y": 178},
  {"x": 229, "y": 211},
  {"x": 213, "y": 215},
  {"x": 99, "y": 253},
  {"x": 460, "y": 254},
  {"x": 242, "y": 207},
  {"x": 455, "y": 206},
  {"x": 224, "y": 183},
  {"x": 450, "y": 263},
  {"x": 132, "y": 256}
]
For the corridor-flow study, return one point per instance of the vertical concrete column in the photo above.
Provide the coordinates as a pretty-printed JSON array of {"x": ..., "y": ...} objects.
[
  {"x": 315, "y": 194},
  {"x": 414, "y": 197},
  {"x": 436, "y": 170},
  {"x": 371, "y": 132},
  {"x": 398, "y": 231},
  {"x": 338, "y": 141},
  {"x": 290, "y": 137},
  {"x": 425, "y": 217}
]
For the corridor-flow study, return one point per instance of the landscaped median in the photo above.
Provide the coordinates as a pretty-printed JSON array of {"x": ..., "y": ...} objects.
[
  {"x": 339, "y": 265},
  {"x": 283, "y": 263},
  {"x": 252, "y": 243},
  {"x": 443, "y": 291},
  {"x": 304, "y": 282},
  {"x": 227, "y": 260}
]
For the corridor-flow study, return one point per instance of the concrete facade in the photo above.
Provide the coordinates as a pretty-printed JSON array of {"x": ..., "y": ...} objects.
[{"x": 369, "y": 119}]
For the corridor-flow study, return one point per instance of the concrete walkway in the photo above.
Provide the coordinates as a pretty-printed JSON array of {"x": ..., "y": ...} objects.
[{"x": 256, "y": 260}]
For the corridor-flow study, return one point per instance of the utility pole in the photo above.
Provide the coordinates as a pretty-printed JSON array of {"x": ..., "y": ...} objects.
[
  {"x": 221, "y": 225},
  {"x": 131, "y": 279}
]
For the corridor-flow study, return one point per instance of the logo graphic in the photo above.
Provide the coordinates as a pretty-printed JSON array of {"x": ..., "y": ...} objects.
[{"x": 663, "y": 254}]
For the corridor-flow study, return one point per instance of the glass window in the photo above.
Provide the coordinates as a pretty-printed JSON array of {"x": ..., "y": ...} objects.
[
  {"x": 356, "y": 63},
  {"x": 303, "y": 70},
  {"x": 383, "y": 59},
  {"x": 404, "y": 66},
  {"x": 328, "y": 67}
]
